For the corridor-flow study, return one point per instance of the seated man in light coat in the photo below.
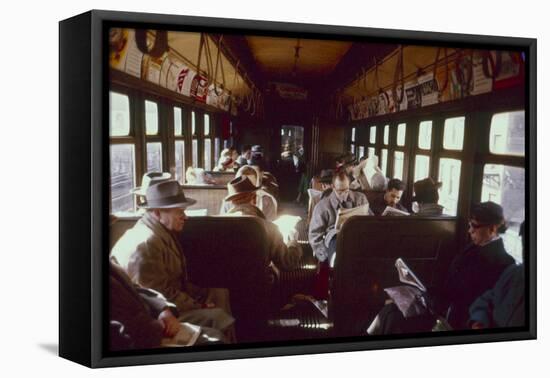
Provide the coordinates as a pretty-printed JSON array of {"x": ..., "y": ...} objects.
[
  {"x": 322, "y": 236},
  {"x": 242, "y": 200},
  {"x": 152, "y": 256}
]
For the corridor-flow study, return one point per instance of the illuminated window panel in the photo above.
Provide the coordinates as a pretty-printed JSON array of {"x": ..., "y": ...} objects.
[
  {"x": 151, "y": 118},
  {"x": 119, "y": 114},
  {"x": 384, "y": 161},
  {"x": 401, "y": 132},
  {"x": 154, "y": 157},
  {"x": 421, "y": 167},
  {"x": 178, "y": 122},
  {"x": 386, "y": 134},
  {"x": 507, "y": 135},
  {"x": 372, "y": 135},
  {"x": 399, "y": 158},
  {"x": 425, "y": 135},
  {"x": 122, "y": 177},
  {"x": 207, "y": 154},
  {"x": 449, "y": 176},
  {"x": 180, "y": 161},
  {"x": 453, "y": 133}
]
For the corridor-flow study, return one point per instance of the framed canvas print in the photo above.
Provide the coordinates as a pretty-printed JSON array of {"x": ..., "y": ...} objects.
[{"x": 234, "y": 188}]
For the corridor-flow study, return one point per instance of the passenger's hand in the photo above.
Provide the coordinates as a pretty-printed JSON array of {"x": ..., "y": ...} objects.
[
  {"x": 170, "y": 322},
  {"x": 477, "y": 325}
]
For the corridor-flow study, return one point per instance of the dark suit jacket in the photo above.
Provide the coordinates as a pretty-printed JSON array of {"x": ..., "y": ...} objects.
[{"x": 136, "y": 309}]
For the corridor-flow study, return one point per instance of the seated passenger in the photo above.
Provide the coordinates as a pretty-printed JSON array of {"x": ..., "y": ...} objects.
[
  {"x": 368, "y": 176},
  {"x": 321, "y": 187},
  {"x": 322, "y": 235},
  {"x": 246, "y": 154},
  {"x": 425, "y": 198},
  {"x": 257, "y": 157},
  {"x": 225, "y": 162},
  {"x": 242, "y": 198},
  {"x": 504, "y": 304},
  {"x": 346, "y": 162},
  {"x": 198, "y": 176},
  {"x": 151, "y": 254},
  {"x": 471, "y": 273},
  {"x": 380, "y": 200},
  {"x": 264, "y": 201}
]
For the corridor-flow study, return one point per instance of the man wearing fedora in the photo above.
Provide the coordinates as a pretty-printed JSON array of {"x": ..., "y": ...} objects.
[
  {"x": 152, "y": 256},
  {"x": 242, "y": 200},
  {"x": 426, "y": 196},
  {"x": 148, "y": 179}
]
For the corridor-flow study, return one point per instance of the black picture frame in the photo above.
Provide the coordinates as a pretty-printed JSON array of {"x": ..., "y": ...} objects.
[{"x": 83, "y": 196}]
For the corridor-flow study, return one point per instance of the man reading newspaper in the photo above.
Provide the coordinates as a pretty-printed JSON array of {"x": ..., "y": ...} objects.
[{"x": 323, "y": 224}]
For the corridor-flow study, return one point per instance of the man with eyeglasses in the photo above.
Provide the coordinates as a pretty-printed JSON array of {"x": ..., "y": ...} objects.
[{"x": 322, "y": 235}]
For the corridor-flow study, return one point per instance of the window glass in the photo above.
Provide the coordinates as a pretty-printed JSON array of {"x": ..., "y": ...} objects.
[
  {"x": 372, "y": 135},
  {"x": 195, "y": 153},
  {"x": 119, "y": 114},
  {"x": 206, "y": 124},
  {"x": 421, "y": 167},
  {"x": 207, "y": 154},
  {"x": 384, "y": 161},
  {"x": 361, "y": 151},
  {"x": 154, "y": 157},
  {"x": 151, "y": 118},
  {"x": 425, "y": 135},
  {"x": 122, "y": 177},
  {"x": 401, "y": 131},
  {"x": 353, "y": 134},
  {"x": 505, "y": 185},
  {"x": 507, "y": 135},
  {"x": 352, "y": 148},
  {"x": 449, "y": 176},
  {"x": 453, "y": 133},
  {"x": 399, "y": 158},
  {"x": 180, "y": 161},
  {"x": 193, "y": 123},
  {"x": 178, "y": 124},
  {"x": 371, "y": 151},
  {"x": 216, "y": 148},
  {"x": 386, "y": 134}
]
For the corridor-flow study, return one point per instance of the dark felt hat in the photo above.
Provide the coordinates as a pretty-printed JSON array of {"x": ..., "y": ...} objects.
[
  {"x": 148, "y": 179},
  {"x": 425, "y": 189}
]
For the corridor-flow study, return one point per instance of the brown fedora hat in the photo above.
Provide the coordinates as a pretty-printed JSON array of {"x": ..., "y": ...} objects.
[
  {"x": 238, "y": 186},
  {"x": 425, "y": 188},
  {"x": 166, "y": 195}
]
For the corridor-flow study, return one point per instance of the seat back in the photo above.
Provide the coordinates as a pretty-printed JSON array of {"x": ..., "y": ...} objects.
[
  {"x": 366, "y": 250},
  {"x": 231, "y": 252},
  {"x": 222, "y": 178},
  {"x": 209, "y": 197}
]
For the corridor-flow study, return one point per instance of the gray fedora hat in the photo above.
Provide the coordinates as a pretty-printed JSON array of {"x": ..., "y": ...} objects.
[
  {"x": 148, "y": 179},
  {"x": 166, "y": 195}
]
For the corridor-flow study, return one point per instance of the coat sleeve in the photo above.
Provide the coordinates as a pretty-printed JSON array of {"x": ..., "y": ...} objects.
[
  {"x": 481, "y": 309},
  {"x": 156, "y": 301},
  {"x": 317, "y": 231},
  {"x": 148, "y": 269}
]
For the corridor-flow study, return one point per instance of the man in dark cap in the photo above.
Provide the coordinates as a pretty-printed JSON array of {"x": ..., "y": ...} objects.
[{"x": 426, "y": 196}]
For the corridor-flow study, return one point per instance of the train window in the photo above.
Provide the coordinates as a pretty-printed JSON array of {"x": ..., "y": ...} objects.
[
  {"x": 505, "y": 185},
  {"x": 178, "y": 124},
  {"x": 353, "y": 134},
  {"x": 154, "y": 157},
  {"x": 372, "y": 135},
  {"x": 398, "y": 161},
  {"x": 384, "y": 160},
  {"x": 193, "y": 123},
  {"x": 352, "y": 149},
  {"x": 180, "y": 161},
  {"x": 207, "y": 154},
  {"x": 361, "y": 151},
  {"x": 453, "y": 133},
  {"x": 151, "y": 118},
  {"x": 421, "y": 167},
  {"x": 507, "y": 135},
  {"x": 119, "y": 120},
  {"x": 195, "y": 153},
  {"x": 216, "y": 148},
  {"x": 401, "y": 130},
  {"x": 206, "y": 124},
  {"x": 386, "y": 134},
  {"x": 371, "y": 151},
  {"x": 425, "y": 135},
  {"x": 122, "y": 177},
  {"x": 449, "y": 176}
]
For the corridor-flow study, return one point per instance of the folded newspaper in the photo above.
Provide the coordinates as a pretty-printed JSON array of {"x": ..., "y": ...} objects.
[
  {"x": 408, "y": 299},
  {"x": 393, "y": 211},
  {"x": 186, "y": 336}
]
